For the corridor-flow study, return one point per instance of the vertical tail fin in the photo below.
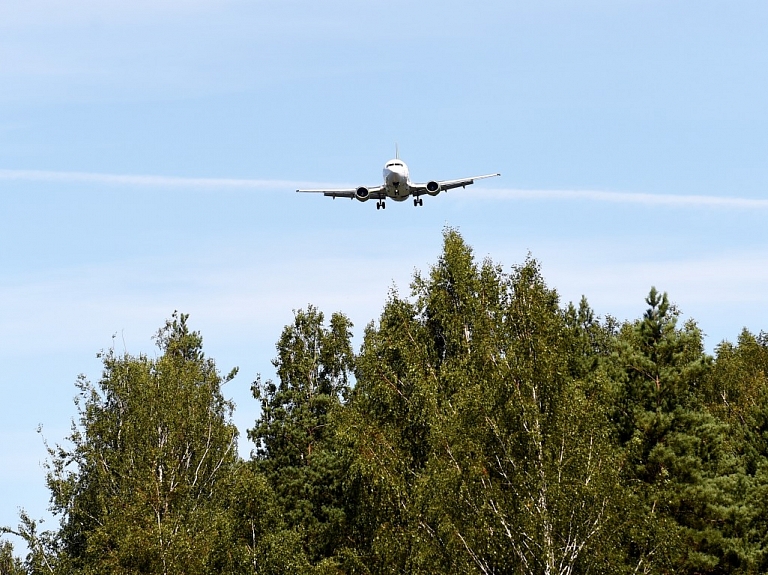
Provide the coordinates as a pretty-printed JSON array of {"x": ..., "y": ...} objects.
[{"x": 397, "y": 152}]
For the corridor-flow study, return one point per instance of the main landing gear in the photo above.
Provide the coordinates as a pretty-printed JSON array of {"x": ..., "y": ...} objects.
[
  {"x": 381, "y": 205},
  {"x": 418, "y": 202}
]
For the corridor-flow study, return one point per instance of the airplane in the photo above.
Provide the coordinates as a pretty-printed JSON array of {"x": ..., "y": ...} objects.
[{"x": 398, "y": 186}]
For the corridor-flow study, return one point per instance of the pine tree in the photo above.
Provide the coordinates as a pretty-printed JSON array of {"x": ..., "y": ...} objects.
[
  {"x": 294, "y": 436},
  {"x": 683, "y": 478}
]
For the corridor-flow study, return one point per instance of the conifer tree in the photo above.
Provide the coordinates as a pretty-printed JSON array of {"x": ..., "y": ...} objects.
[
  {"x": 294, "y": 436},
  {"x": 679, "y": 468}
]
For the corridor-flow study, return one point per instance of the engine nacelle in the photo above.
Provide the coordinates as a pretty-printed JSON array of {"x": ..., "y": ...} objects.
[
  {"x": 433, "y": 188},
  {"x": 362, "y": 193}
]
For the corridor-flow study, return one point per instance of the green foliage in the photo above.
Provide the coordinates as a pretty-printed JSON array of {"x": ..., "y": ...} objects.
[
  {"x": 295, "y": 441},
  {"x": 488, "y": 430},
  {"x": 9, "y": 563},
  {"x": 685, "y": 482},
  {"x": 737, "y": 393},
  {"x": 43, "y": 555},
  {"x": 138, "y": 490},
  {"x": 257, "y": 540},
  {"x": 478, "y": 449}
]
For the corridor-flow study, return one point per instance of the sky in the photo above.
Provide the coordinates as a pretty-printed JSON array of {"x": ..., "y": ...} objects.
[{"x": 150, "y": 152}]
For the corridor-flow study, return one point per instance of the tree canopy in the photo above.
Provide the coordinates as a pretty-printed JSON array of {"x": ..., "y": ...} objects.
[{"x": 483, "y": 427}]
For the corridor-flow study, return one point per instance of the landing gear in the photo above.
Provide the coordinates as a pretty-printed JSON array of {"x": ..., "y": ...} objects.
[
  {"x": 418, "y": 202},
  {"x": 381, "y": 205}
]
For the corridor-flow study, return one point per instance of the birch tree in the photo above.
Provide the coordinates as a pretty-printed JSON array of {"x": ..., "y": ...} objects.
[
  {"x": 9, "y": 563},
  {"x": 482, "y": 451},
  {"x": 523, "y": 448},
  {"x": 138, "y": 485}
]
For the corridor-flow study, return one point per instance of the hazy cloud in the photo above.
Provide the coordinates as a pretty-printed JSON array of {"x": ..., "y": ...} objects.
[
  {"x": 673, "y": 200},
  {"x": 152, "y": 181}
]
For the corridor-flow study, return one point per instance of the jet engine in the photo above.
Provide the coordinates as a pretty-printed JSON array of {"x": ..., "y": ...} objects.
[
  {"x": 362, "y": 193},
  {"x": 433, "y": 188}
]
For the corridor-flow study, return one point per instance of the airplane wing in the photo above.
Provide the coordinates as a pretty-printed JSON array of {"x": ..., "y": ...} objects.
[
  {"x": 419, "y": 189},
  {"x": 375, "y": 192}
]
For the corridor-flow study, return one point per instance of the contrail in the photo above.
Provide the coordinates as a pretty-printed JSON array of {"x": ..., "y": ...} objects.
[
  {"x": 483, "y": 193},
  {"x": 627, "y": 198},
  {"x": 148, "y": 181}
]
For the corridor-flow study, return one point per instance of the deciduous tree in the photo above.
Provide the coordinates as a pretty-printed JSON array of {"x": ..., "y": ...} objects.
[
  {"x": 479, "y": 449},
  {"x": 139, "y": 486}
]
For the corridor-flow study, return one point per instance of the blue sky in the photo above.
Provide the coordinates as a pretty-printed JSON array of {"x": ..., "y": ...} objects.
[{"x": 149, "y": 153}]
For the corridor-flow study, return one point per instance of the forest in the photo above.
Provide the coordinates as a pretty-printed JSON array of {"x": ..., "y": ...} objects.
[{"x": 483, "y": 427}]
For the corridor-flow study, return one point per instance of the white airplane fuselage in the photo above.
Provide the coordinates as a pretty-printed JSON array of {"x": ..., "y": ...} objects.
[
  {"x": 397, "y": 181},
  {"x": 397, "y": 186}
]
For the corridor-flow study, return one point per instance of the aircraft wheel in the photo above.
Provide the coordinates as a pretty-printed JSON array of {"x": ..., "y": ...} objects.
[
  {"x": 378, "y": 205},
  {"x": 415, "y": 202},
  {"x": 383, "y": 206},
  {"x": 421, "y": 201}
]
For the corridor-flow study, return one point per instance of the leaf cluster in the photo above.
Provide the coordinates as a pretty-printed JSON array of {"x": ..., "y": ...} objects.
[{"x": 482, "y": 428}]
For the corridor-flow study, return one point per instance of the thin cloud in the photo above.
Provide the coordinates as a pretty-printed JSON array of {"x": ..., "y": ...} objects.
[
  {"x": 150, "y": 181},
  {"x": 83, "y": 302},
  {"x": 626, "y": 198},
  {"x": 673, "y": 200}
]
